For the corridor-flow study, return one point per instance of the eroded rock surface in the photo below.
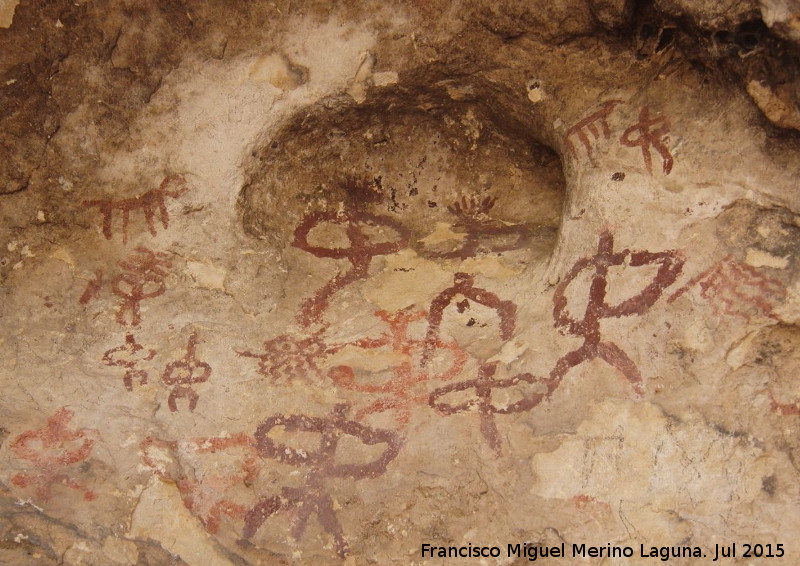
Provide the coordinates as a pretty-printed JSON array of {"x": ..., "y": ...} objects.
[{"x": 294, "y": 283}]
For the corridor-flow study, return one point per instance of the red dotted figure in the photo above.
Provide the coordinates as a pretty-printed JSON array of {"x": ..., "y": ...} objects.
[
  {"x": 399, "y": 391},
  {"x": 588, "y": 327},
  {"x": 149, "y": 203},
  {"x": 320, "y": 465},
  {"x": 288, "y": 357},
  {"x": 208, "y": 493},
  {"x": 128, "y": 355},
  {"x": 52, "y": 450},
  {"x": 647, "y": 136},
  {"x": 142, "y": 278},
  {"x": 183, "y": 373},
  {"x": 484, "y": 385},
  {"x": 361, "y": 249}
]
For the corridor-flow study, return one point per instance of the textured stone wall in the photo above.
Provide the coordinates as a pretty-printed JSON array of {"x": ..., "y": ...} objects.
[{"x": 312, "y": 283}]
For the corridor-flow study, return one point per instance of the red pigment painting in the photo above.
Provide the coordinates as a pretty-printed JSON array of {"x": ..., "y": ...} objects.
[
  {"x": 737, "y": 289},
  {"x": 483, "y": 385},
  {"x": 398, "y": 393},
  {"x": 669, "y": 264},
  {"x": 359, "y": 252},
  {"x": 127, "y": 356},
  {"x": 149, "y": 203},
  {"x": 53, "y": 450},
  {"x": 319, "y": 465},
  {"x": 183, "y": 373},
  {"x": 481, "y": 233},
  {"x": 207, "y": 493}
]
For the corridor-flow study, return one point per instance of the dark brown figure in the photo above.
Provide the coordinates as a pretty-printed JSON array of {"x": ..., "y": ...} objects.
[
  {"x": 142, "y": 278},
  {"x": 589, "y": 123},
  {"x": 359, "y": 252},
  {"x": 463, "y": 284},
  {"x": 129, "y": 352},
  {"x": 647, "y": 137},
  {"x": 399, "y": 391},
  {"x": 483, "y": 385},
  {"x": 737, "y": 289},
  {"x": 670, "y": 265},
  {"x": 480, "y": 230},
  {"x": 313, "y": 497},
  {"x": 181, "y": 374},
  {"x": 148, "y": 203}
]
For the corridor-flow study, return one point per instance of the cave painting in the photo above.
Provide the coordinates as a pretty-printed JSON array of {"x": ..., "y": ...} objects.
[
  {"x": 669, "y": 267},
  {"x": 357, "y": 224},
  {"x": 53, "y": 450},
  {"x": 218, "y": 490},
  {"x": 320, "y": 464},
  {"x": 128, "y": 355},
  {"x": 398, "y": 393},
  {"x": 287, "y": 358},
  {"x": 647, "y": 136},
  {"x": 183, "y": 373},
  {"x": 149, "y": 203},
  {"x": 481, "y": 233},
  {"x": 589, "y": 124},
  {"x": 649, "y": 132},
  {"x": 484, "y": 385},
  {"x": 464, "y": 285},
  {"x": 737, "y": 289}
]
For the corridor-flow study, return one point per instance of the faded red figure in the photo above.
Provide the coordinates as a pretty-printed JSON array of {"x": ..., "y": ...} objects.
[
  {"x": 646, "y": 136},
  {"x": 399, "y": 392},
  {"x": 183, "y": 373},
  {"x": 579, "y": 129},
  {"x": 670, "y": 264},
  {"x": 366, "y": 237},
  {"x": 737, "y": 289},
  {"x": 289, "y": 357},
  {"x": 149, "y": 203},
  {"x": 142, "y": 278},
  {"x": 481, "y": 233},
  {"x": 320, "y": 465},
  {"x": 221, "y": 488},
  {"x": 484, "y": 385},
  {"x": 53, "y": 450},
  {"x": 464, "y": 285},
  {"x": 128, "y": 355}
]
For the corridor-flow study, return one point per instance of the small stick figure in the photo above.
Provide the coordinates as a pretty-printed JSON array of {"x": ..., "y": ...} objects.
[
  {"x": 130, "y": 350},
  {"x": 647, "y": 137},
  {"x": 181, "y": 374}
]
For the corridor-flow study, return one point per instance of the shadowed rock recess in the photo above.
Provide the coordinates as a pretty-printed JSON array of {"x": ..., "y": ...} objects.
[{"x": 303, "y": 282}]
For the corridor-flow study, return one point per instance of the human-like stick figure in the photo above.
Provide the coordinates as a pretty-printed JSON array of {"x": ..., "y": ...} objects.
[
  {"x": 128, "y": 355},
  {"x": 399, "y": 392},
  {"x": 142, "y": 278},
  {"x": 483, "y": 385},
  {"x": 181, "y": 374},
  {"x": 320, "y": 465},
  {"x": 646, "y": 137},
  {"x": 359, "y": 252},
  {"x": 670, "y": 265},
  {"x": 464, "y": 285}
]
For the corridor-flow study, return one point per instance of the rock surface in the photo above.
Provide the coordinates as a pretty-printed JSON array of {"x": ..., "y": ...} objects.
[{"x": 305, "y": 283}]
